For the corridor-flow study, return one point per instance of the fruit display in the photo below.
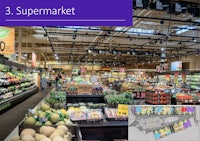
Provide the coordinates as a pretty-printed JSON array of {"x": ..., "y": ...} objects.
[
  {"x": 89, "y": 105},
  {"x": 45, "y": 133},
  {"x": 78, "y": 116},
  {"x": 121, "y": 98},
  {"x": 157, "y": 97},
  {"x": 83, "y": 113},
  {"x": 57, "y": 99},
  {"x": 111, "y": 114},
  {"x": 95, "y": 115},
  {"x": 6, "y": 96},
  {"x": 81, "y": 80},
  {"x": 186, "y": 98},
  {"x": 44, "y": 115}
]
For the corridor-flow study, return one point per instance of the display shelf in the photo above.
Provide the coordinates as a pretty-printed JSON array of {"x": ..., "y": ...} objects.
[
  {"x": 84, "y": 98},
  {"x": 104, "y": 131},
  {"x": 12, "y": 101}
]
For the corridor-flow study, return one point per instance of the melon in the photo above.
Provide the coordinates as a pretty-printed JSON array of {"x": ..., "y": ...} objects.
[
  {"x": 39, "y": 137},
  {"x": 28, "y": 138},
  {"x": 45, "y": 107},
  {"x": 48, "y": 123},
  {"x": 29, "y": 121},
  {"x": 55, "y": 118},
  {"x": 54, "y": 134},
  {"x": 58, "y": 138},
  {"x": 28, "y": 131},
  {"x": 15, "y": 138},
  {"x": 45, "y": 139},
  {"x": 38, "y": 123},
  {"x": 59, "y": 131},
  {"x": 61, "y": 123},
  {"x": 63, "y": 128},
  {"x": 47, "y": 130},
  {"x": 42, "y": 115}
]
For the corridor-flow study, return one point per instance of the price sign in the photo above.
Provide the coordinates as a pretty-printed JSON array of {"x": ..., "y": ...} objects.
[{"x": 122, "y": 110}]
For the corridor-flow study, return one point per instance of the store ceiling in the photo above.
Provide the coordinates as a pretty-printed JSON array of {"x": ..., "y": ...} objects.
[{"x": 153, "y": 33}]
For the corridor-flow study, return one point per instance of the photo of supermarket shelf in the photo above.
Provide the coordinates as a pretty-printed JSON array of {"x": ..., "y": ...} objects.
[{"x": 164, "y": 123}]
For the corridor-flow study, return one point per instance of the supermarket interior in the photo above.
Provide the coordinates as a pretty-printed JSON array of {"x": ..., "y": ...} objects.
[{"x": 74, "y": 83}]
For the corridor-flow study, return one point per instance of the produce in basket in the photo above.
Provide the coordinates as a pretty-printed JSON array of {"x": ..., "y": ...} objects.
[
  {"x": 46, "y": 133},
  {"x": 45, "y": 115}
]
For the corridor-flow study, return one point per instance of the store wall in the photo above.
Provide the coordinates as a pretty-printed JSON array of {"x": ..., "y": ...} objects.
[{"x": 192, "y": 59}]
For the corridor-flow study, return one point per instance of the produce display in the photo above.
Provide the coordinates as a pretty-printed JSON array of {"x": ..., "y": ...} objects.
[
  {"x": 111, "y": 114},
  {"x": 89, "y": 105},
  {"x": 157, "y": 97},
  {"x": 11, "y": 84},
  {"x": 83, "y": 113},
  {"x": 97, "y": 90},
  {"x": 77, "y": 116},
  {"x": 95, "y": 115},
  {"x": 45, "y": 133},
  {"x": 121, "y": 98},
  {"x": 81, "y": 80},
  {"x": 188, "y": 97},
  {"x": 57, "y": 99},
  {"x": 44, "y": 115}
]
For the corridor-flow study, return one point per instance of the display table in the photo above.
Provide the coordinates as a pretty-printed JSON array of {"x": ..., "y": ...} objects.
[{"x": 105, "y": 131}]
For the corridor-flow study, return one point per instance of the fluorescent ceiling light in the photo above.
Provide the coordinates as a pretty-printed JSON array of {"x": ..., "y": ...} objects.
[
  {"x": 141, "y": 31},
  {"x": 83, "y": 28},
  {"x": 120, "y": 28},
  {"x": 184, "y": 28},
  {"x": 148, "y": 23}
]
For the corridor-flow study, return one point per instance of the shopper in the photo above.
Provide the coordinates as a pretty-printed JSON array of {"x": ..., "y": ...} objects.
[
  {"x": 43, "y": 84},
  {"x": 58, "y": 82},
  {"x": 94, "y": 78}
]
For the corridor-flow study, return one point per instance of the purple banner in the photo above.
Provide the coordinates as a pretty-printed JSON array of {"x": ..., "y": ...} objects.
[{"x": 66, "y": 12}]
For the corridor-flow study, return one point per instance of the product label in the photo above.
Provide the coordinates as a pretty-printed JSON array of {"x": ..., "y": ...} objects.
[
  {"x": 122, "y": 110},
  {"x": 66, "y": 12}
]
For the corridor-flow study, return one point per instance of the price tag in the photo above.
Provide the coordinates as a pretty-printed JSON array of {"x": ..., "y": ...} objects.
[{"x": 122, "y": 110}]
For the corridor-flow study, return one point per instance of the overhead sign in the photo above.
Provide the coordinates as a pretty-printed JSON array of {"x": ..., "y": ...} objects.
[
  {"x": 7, "y": 40},
  {"x": 66, "y": 12}
]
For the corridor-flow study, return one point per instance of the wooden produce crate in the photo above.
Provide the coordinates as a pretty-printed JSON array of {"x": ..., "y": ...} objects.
[
  {"x": 85, "y": 89},
  {"x": 81, "y": 88}
]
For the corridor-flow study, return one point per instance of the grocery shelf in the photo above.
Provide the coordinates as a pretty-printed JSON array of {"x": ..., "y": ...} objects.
[{"x": 12, "y": 101}]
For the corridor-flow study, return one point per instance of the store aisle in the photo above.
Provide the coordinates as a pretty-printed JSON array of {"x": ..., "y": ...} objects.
[{"x": 11, "y": 118}]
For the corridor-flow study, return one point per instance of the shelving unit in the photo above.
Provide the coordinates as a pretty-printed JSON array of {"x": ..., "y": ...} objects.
[{"x": 12, "y": 101}]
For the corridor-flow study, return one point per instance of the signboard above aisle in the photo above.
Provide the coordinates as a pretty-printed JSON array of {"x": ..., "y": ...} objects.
[
  {"x": 7, "y": 40},
  {"x": 66, "y": 12}
]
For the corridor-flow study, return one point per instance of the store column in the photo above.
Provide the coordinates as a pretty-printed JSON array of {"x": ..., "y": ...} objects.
[{"x": 20, "y": 46}]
